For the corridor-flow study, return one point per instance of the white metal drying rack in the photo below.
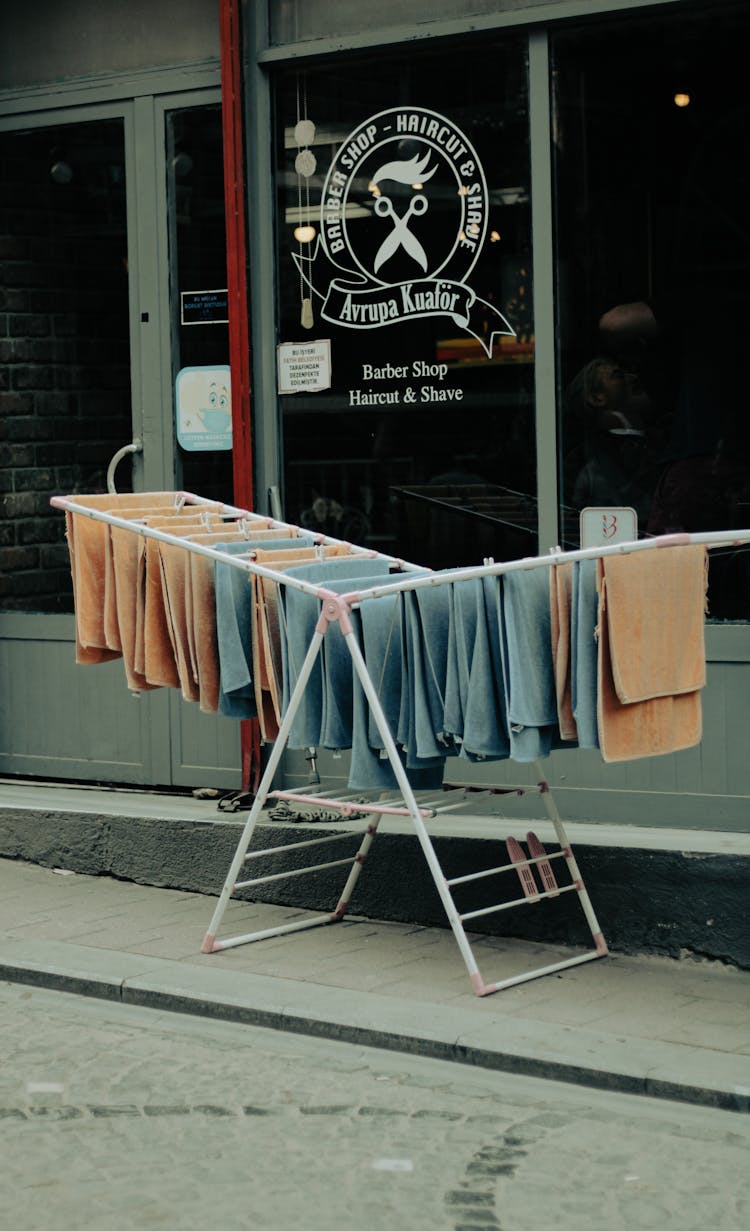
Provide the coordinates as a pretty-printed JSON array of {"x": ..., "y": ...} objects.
[{"x": 419, "y": 807}]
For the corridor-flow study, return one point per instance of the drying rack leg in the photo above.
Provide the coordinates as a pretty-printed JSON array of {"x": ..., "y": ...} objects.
[
  {"x": 210, "y": 943},
  {"x": 575, "y": 875},
  {"x": 416, "y": 816}
]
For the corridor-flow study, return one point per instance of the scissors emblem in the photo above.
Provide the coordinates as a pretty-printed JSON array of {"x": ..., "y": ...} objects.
[{"x": 401, "y": 236}]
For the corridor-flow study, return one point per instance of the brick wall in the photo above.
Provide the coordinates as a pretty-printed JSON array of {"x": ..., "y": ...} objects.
[{"x": 64, "y": 349}]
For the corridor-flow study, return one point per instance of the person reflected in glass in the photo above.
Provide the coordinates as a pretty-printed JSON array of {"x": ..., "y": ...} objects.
[{"x": 612, "y": 410}]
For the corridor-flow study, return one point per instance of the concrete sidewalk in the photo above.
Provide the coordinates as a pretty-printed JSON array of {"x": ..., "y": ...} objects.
[{"x": 655, "y": 1026}]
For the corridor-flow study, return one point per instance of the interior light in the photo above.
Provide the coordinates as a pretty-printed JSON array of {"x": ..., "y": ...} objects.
[
  {"x": 373, "y": 188},
  {"x": 418, "y": 187},
  {"x": 463, "y": 191},
  {"x": 682, "y": 100},
  {"x": 304, "y": 235},
  {"x": 494, "y": 237}
]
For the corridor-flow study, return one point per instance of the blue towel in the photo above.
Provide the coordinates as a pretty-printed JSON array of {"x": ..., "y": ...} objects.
[
  {"x": 583, "y": 652},
  {"x": 486, "y": 734},
  {"x": 462, "y": 612},
  {"x": 380, "y": 621},
  {"x": 233, "y": 626},
  {"x": 338, "y": 669},
  {"x": 526, "y": 644},
  {"x": 427, "y": 623},
  {"x": 298, "y": 614}
]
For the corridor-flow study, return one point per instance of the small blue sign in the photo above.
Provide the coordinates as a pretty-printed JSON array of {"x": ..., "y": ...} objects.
[{"x": 203, "y": 408}]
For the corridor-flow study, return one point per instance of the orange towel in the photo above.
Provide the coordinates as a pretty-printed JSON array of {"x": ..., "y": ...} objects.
[
  {"x": 641, "y": 608},
  {"x": 174, "y": 564},
  {"x": 656, "y": 604},
  {"x": 85, "y": 654},
  {"x": 173, "y": 518},
  {"x": 155, "y": 654},
  {"x": 87, "y": 541},
  {"x": 128, "y": 571},
  {"x": 561, "y": 583}
]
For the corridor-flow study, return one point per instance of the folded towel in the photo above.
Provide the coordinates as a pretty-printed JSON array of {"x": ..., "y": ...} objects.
[
  {"x": 124, "y": 550},
  {"x": 89, "y": 654},
  {"x": 485, "y": 734},
  {"x": 298, "y": 613},
  {"x": 656, "y": 603},
  {"x": 128, "y": 556},
  {"x": 631, "y": 627},
  {"x": 561, "y": 590},
  {"x": 151, "y": 633},
  {"x": 526, "y": 646},
  {"x": 159, "y": 663},
  {"x": 267, "y": 652},
  {"x": 583, "y": 652},
  {"x": 234, "y": 616},
  {"x": 87, "y": 541},
  {"x": 463, "y": 608}
]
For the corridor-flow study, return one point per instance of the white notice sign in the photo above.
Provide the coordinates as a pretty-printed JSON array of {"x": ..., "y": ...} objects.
[
  {"x": 304, "y": 367},
  {"x": 600, "y": 527}
]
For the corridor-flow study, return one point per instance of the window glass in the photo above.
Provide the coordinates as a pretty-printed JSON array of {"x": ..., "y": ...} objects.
[
  {"x": 65, "y": 405},
  {"x": 652, "y": 159},
  {"x": 405, "y": 318},
  {"x": 198, "y": 302}
]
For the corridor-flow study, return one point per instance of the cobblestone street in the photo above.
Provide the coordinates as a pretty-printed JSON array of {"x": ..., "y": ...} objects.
[{"x": 114, "y": 1117}]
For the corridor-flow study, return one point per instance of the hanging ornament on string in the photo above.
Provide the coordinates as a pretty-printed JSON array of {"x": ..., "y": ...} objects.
[{"x": 304, "y": 164}]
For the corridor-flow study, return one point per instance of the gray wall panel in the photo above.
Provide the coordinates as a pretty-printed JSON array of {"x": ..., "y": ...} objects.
[
  {"x": 60, "y": 720},
  {"x": 82, "y": 38}
]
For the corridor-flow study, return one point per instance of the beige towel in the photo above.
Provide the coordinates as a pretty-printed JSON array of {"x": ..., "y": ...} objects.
[
  {"x": 128, "y": 571},
  {"x": 561, "y": 583},
  {"x": 633, "y": 650},
  {"x": 87, "y": 542},
  {"x": 173, "y": 518},
  {"x": 159, "y": 663},
  {"x": 85, "y": 654},
  {"x": 174, "y": 564},
  {"x": 656, "y": 603}
]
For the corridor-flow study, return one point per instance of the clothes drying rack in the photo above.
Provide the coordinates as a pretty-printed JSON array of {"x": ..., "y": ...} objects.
[{"x": 414, "y": 807}]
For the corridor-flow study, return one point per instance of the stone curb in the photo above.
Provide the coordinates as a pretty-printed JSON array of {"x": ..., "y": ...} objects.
[{"x": 480, "y": 1038}]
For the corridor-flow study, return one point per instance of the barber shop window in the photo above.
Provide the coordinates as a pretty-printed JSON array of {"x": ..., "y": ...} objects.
[
  {"x": 406, "y": 337},
  {"x": 652, "y": 174}
]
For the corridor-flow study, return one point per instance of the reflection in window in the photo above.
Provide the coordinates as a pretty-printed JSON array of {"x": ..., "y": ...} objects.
[
  {"x": 653, "y": 301},
  {"x": 404, "y": 240}
]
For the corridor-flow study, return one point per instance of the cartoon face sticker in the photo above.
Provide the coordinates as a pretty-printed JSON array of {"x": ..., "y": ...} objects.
[{"x": 204, "y": 408}]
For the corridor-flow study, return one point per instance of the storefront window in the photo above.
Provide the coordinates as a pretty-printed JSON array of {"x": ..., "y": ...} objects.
[
  {"x": 199, "y": 305},
  {"x": 406, "y": 334},
  {"x": 652, "y": 162},
  {"x": 65, "y": 403}
]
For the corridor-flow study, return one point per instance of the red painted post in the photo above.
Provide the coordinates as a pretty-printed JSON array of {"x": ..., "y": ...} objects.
[{"x": 239, "y": 339}]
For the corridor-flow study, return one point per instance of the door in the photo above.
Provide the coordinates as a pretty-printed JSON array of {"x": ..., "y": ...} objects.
[{"x": 90, "y": 220}]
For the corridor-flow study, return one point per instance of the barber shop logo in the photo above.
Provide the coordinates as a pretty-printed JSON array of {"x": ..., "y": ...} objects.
[{"x": 403, "y": 218}]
